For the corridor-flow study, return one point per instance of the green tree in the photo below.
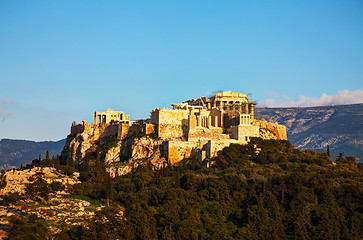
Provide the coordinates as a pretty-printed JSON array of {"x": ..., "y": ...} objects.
[
  {"x": 11, "y": 197},
  {"x": 28, "y": 228},
  {"x": 38, "y": 187},
  {"x": 3, "y": 181},
  {"x": 57, "y": 186},
  {"x": 110, "y": 188},
  {"x": 328, "y": 151}
]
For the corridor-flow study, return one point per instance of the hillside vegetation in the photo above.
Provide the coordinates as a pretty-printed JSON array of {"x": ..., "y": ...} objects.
[{"x": 264, "y": 190}]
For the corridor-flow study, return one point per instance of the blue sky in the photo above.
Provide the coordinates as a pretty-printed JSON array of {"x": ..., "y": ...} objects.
[{"x": 62, "y": 60}]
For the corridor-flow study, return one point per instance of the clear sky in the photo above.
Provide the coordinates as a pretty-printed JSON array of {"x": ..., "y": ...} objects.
[{"x": 62, "y": 60}]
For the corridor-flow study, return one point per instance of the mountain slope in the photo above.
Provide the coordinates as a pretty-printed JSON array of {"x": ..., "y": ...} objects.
[
  {"x": 17, "y": 152},
  {"x": 340, "y": 127}
]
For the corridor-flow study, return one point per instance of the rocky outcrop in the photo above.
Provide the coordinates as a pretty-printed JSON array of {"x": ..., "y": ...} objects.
[
  {"x": 144, "y": 147},
  {"x": 119, "y": 170},
  {"x": 132, "y": 148},
  {"x": 121, "y": 150},
  {"x": 270, "y": 130},
  {"x": 136, "y": 151},
  {"x": 85, "y": 137},
  {"x": 17, "y": 179},
  {"x": 113, "y": 154}
]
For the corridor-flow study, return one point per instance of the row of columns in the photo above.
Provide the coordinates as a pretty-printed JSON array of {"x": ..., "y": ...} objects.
[
  {"x": 244, "y": 108},
  {"x": 222, "y": 103},
  {"x": 216, "y": 121},
  {"x": 245, "y": 119},
  {"x": 101, "y": 118},
  {"x": 205, "y": 121},
  {"x": 106, "y": 117}
]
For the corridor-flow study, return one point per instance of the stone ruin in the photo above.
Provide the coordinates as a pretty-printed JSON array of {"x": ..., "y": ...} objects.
[
  {"x": 197, "y": 128},
  {"x": 111, "y": 116}
]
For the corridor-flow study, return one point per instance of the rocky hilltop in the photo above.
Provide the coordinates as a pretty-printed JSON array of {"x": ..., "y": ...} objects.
[
  {"x": 136, "y": 148},
  {"x": 121, "y": 153},
  {"x": 197, "y": 128},
  {"x": 340, "y": 127}
]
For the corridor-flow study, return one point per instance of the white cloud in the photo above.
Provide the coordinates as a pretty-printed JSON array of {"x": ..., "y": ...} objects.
[{"x": 342, "y": 97}]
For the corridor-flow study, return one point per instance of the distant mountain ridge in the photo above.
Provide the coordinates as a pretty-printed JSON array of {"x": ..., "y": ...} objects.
[
  {"x": 340, "y": 127},
  {"x": 13, "y": 153}
]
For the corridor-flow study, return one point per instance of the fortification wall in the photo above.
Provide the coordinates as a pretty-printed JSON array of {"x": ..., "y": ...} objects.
[
  {"x": 108, "y": 130},
  {"x": 125, "y": 130},
  {"x": 213, "y": 147},
  {"x": 122, "y": 131},
  {"x": 77, "y": 128},
  {"x": 243, "y": 133},
  {"x": 170, "y": 123},
  {"x": 135, "y": 128},
  {"x": 175, "y": 151},
  {"x": 205, "y": 134},
  {"x": 168, "y": 116}
]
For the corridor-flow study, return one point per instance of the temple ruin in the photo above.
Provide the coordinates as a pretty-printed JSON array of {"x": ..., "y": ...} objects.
[
  {"x": 197, "y": 128},
  {"x": 111, "y": 116},
  {"x": 205, "y": 125}
]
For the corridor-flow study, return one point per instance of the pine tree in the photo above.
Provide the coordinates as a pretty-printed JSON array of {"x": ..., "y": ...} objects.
[
  {"x": 47, "y": 155},
  {"x": 3, "y": 181},
  {"x": 39, "y": 187},
  {"x": 109, "y": 188}
]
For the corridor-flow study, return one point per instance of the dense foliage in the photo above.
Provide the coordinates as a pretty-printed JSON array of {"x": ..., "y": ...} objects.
[
  {"x": 264, "y": 190},
  {"x": 28, "y": 228}
]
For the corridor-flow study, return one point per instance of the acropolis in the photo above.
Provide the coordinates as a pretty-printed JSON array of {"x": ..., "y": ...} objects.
[{"x": 197, "y": 128}]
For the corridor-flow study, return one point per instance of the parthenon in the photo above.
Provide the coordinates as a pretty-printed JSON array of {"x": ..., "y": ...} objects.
[{"x": 227, "y": 101}]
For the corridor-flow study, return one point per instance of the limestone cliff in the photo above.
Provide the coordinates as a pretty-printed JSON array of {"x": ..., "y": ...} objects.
[
  {"x": 121, "y": 156},
  {"x": 133, "y": 152},
  {"x": 85, "y": 137},
  {"x": 270, "y": 130}
]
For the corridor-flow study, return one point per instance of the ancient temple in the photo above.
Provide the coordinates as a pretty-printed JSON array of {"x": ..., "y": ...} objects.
[{"x": 111, "y": 116}]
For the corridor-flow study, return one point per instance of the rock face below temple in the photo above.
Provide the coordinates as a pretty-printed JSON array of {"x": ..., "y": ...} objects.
[
  {"x": 86, "y": 137},
  {"x": 120, "y": 150}
]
